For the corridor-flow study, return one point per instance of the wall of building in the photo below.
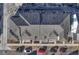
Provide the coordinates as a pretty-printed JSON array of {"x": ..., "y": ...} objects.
[
  {"x": 14, "y": 28},
  {"x": 66, "y": 26},
  {"x": 11, "y": 10},
  {"x": 41, "y": 31}
]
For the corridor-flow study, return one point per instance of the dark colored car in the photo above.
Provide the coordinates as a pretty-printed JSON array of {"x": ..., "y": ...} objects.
[
  {"x": 33, "y": 53},
  {"x": 74, "y": 52},
  {"x": 53, "y": 50},
  {"x": 45, "y": 47},
  {"x": 20, "y": 49},
  {"x": 63, "y": 49},
  {"x": 28, "y": 49}
]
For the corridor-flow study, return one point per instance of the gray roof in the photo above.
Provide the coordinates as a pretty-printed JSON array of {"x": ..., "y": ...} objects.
[{"x": 43, "y": 14}]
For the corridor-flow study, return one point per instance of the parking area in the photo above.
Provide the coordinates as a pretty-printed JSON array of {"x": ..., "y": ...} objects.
[{"x": 43, "y": 50}]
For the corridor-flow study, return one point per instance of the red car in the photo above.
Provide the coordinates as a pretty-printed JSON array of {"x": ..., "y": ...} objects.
[{"x": 41, "y": 51}]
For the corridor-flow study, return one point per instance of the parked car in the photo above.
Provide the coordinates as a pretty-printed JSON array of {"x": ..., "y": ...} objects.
[
  {"x": 28, "y": 50},
  {"x": 53, "y": 50},
  {"x": 20, "y": 49},
  {"x": 41, "y": 51},
  {"x": 33, "y": 52},
  {"x": 63, "y": 49},
  {"x": 44, "y": 47},
  {"x": 74, "y": 52}
]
